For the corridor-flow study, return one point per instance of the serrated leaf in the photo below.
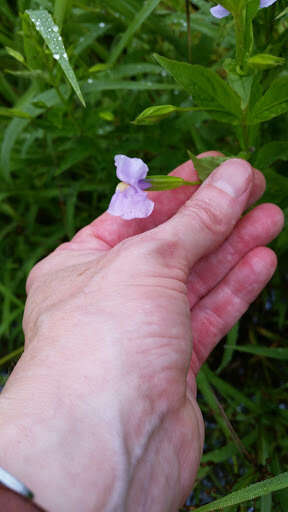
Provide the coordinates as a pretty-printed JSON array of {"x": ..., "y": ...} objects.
[
  {"x": 251, "y": 492},
  {"x": 45, "y": 25},
  {"x": 208, "y": 90},
  {"x": 272, "y": 104}
]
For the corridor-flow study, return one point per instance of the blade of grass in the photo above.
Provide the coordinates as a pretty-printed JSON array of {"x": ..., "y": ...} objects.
[
  {"x": 45, "y": 25},
  {"x": 251, "y": 492},
  {"x": 230, "y": 391},
  {"x": 60, "y": 10},
  {"x": 138, "y": 20},
  {"x": 229, "y": 347},
  {"x": 11, "y": 355},
  {"x": 274, "y": 353},
  {"x": 210, "y": 398}
]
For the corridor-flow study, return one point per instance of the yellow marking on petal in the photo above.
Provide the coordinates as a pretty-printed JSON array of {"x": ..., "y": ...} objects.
[{"x": 122, "y": 186}]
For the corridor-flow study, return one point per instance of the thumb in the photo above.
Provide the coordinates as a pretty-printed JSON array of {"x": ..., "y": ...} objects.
[{"x": 209, "y": 216}]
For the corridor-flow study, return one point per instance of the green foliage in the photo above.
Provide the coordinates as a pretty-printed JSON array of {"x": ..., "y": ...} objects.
[
  {"x": 273, "y": 103},
  {"x": 50, "y": 33},
  {"x": 208, "y": 90},
  {"x": 265, "y": 61},
  {"x": 57, "y": 174},
  {"x": 251, "y": 492},
  {"x": 204, "y": 166}
]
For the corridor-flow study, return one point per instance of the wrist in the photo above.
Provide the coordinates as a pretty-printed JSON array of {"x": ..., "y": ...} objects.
[{"x": 67, "y": 463}]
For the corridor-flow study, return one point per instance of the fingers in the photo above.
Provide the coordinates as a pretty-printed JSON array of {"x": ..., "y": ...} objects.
[
  {"x": 209, "y": 216},
  {"x": 216, "y": 313},
  {"x": 106, "y": 231},
  {"x": 259, "y": 227}
]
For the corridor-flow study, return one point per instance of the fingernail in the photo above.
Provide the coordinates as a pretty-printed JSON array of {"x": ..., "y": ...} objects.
[{"x": 233, "y": 176}]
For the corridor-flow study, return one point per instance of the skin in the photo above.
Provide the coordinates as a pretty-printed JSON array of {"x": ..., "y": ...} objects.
[{"x": 100, "y": 412}]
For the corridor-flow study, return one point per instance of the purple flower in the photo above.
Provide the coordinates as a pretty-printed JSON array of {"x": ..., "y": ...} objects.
[
  {"x": 220, "y": 12},
  {"x": 130, "y": 201}
]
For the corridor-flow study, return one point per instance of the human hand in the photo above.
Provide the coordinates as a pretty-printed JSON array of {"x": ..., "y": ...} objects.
[{"x": 100, "y": 411}]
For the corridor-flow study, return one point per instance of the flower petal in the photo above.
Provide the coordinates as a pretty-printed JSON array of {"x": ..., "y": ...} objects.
[
  {"x": 130, "y": 170},
  {"x": 130, "y": 204},
  {"x": 220, "y": 12},
  {"x": 266, "y": 3}
]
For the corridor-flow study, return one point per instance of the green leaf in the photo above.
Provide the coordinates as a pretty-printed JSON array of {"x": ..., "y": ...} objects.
[
  {"x": 212, "y": 401},
  {"x": 45, "y": 25},
  {"x": 230, "y": 392},
  {"x": 243, "y": 85},
  {"x": 60, "y": 10},
  {"x": 277, "y": 188},
  {"x": 229, "y": 347},
  {"x": 204, "y": 166},
  {"x": 75, "y": 156},
  {"x": 208, "y": 90},
  {"x": 48, "y": 98},
  {"x": 270, "y": 153},
  {"x": 130, "y": 85},
  {"x": 248, "y": 493},
  {"x": 227, "y": 451},
  {"x": 33, "y": 47},
  {"x": 266, "y": 503},
  {"x": 13, "y": 112},
  {"x": 272, "y": 104},
  {"x": 6, "y": 90},
  {"x": 274, "y": 353},
  {"x": 11, "y": 355},
  {"x": 140, "y": 17},
  {"x": 17, "y": 55}
]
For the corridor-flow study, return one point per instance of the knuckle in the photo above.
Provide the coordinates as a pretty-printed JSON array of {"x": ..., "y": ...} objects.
[
  {"x": 212, "y": 218},
  {"x": 149, "y": 252},
  {"x": 36, "y": 273},
  {"x": 32, "y": 276}
]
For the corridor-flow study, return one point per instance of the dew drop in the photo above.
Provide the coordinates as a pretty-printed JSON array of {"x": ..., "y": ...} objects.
[{"x": 56, "y": 56}]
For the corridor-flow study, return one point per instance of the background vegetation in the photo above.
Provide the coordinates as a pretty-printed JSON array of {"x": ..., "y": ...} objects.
[{"x": 57, "y": 174}]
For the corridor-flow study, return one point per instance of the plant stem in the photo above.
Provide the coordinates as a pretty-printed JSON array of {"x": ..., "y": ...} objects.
[
  {"x": 240, "y": 46},
  {"x": 245, "y": 132},
  {"x": 187, "y": 2}
]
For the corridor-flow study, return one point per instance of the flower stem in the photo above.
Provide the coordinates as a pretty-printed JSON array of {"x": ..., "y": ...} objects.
[{"x": 187, "y": 2}]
